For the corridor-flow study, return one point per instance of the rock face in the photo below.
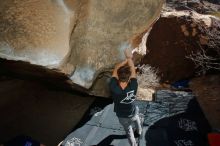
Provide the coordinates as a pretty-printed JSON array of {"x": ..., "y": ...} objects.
[
  {"x": 30, "y": 107},
  {"x": 80, "y": 38},
  {"x": 173, "y": 38},
  {"x": 35, "y": 31},
  {"x": 200, "y": 6},
  {"x": 214, "y": 1},
  {"x": 102, "y": 32},
  {"x": 207, "y": 90}
]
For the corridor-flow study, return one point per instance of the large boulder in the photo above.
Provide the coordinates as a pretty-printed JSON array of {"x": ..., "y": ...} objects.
[
  {"x": 177, "y": 39},
  {"x": 35, "y": 31},
  {"x": 207, "y": 91},
  {"x": 214, "y": 1},
  {"x": 200, "y": 6},
  {"x": 82, "y": 39},
  {"x": 39, "y": 111}
]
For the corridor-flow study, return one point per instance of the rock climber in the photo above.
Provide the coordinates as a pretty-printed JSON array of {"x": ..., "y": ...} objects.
[{"x": 123, "y": 87}]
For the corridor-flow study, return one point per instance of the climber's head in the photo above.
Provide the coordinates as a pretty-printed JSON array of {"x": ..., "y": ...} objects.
[{"x": 124, "y": 73}]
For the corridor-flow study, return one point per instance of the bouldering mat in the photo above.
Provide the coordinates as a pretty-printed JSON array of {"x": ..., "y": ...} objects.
[{"x": 173, "y": 118}]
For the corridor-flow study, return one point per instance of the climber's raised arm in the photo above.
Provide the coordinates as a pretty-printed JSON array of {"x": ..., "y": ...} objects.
[
  {"x": 129, "y": 57},
  {"x": 117, "y": 66}
]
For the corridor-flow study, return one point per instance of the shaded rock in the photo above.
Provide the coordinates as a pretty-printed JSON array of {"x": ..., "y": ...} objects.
[
  {"x": 82, "y": 39},
  {"x": 38, "y": 110},
  {"x": 207, "y": 90},
  {"x": 214, "y": 1},
  {"x": 176, "y": 35},
  {"x": 200, "y": 6},
  {"x": 185, "y": 4}
]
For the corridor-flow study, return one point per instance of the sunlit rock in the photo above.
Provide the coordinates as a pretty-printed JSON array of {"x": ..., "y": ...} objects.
[
  {"x": 83, "y": 39},
  {"x": 103, "y": 30},
  {"x": 35, "y": 31}
]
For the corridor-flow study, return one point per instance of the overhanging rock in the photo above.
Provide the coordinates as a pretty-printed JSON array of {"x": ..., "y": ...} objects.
[{"x": 82, "y": 39}]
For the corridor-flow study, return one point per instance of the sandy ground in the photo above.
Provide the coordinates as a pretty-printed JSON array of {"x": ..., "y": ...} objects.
[
  {"x": 34, "y": 109},
  {"x": 207, "y": 90}
]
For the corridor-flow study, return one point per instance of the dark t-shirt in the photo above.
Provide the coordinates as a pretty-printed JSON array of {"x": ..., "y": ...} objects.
[{"x": 124, "y": 99}]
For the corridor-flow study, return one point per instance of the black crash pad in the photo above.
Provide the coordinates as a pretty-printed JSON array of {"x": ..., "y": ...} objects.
[{"x": 162, "y": 121}]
